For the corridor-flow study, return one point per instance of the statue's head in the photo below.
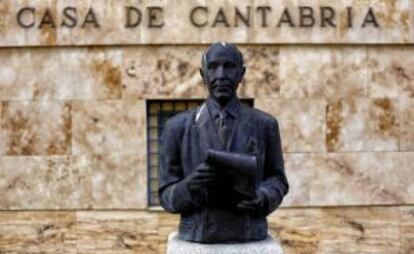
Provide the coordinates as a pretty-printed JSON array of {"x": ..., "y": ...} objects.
[{"x": 222, "y": 70}]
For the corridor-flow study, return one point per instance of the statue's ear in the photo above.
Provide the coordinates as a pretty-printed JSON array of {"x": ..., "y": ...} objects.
[{"x": 242, "y": 72}]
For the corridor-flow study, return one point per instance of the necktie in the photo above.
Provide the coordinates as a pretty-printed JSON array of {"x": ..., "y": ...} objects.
[{"x": 223, "y": 128}]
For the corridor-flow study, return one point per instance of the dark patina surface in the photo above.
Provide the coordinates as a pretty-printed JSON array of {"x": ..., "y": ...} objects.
[{"x": 221, "y": 164}]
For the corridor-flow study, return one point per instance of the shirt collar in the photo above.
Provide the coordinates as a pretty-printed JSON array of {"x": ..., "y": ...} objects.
[{"x": 232, "y": 108}]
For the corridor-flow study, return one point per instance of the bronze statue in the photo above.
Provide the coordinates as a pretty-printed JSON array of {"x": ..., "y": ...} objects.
[{"x": 221, "y": 163}]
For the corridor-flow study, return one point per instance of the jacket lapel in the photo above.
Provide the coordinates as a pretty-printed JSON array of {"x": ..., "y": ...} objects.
[{"x": 243, "y": 129}]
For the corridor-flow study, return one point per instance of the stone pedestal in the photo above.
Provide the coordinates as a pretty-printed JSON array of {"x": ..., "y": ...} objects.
[{"x": 267, "y": 246}]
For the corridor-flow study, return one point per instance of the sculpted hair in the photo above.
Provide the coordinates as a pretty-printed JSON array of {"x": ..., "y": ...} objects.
[{"x": 227, "y": 46}]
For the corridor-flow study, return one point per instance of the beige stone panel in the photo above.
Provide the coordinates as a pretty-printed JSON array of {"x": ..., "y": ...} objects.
[
  {"x": 115, "y": 181},
  {"x": 323, "y": 72},
  {"x": 35, "y": 128},
  {"x": 168, "y": 223},
  {"x": 117, "y": 232},
  {"x": 81, "y": 182},
  {"x": 407, "y": 124},
  {"x": 162, "y": 72},
  {"x": 407, "y": 229},
  {"x": 8, "y": 23},
  {"x": 16, "y": 74},
  {"x": 363, "y": 125},
  {"x": 360, "y": 230},
  {"x": 391, "y": 71},
  {"x": 301, "y": 170},
  {"x": 102, "y": 127},
  {"x": 298, "y": 230},
  {"x": 80, "y": 74},
  {"x": 362, "y": 179},
  {"x": 301, "y": 122},
  {"x": 32, "y": 183},
  {"x": 37, "y": 232},
  {"x": 262, "y": 72},
  {"x": 394, "y": 18}
]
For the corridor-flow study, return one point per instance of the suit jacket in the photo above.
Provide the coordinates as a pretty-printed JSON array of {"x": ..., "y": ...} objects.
[{"x": 211, "y": 216}]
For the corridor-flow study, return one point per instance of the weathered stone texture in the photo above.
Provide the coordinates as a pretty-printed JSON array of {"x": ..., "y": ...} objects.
[
  {"x": 356, "y": 230},
  {"x": 407, "y": 229},
  {"x": 60, "y": 74},
  {"x": 363, "y": 125},
  {"x": 323, "y": 72},
  {"x": 38, "y": 232},
  {"x": 117, "y": 232},
  {"x": 35, "y": 128},
  {"x": 407, "y": 124},
  {"x": 301, "y": 122},
  {"x": 77, "y": 74},
  {"x": 262, "y": 72},
  {"x": 79, "y": 182},
  {"x": 101, "y": 127},
  {"x": 391, "y": 71},
  {"x": 319, "y": 179},
  {"x": 299, "y": 230},
  {"x": 164, "y": 72}
]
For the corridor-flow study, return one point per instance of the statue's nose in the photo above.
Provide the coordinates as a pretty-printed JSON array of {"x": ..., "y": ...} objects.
[{"x": 220, "y": 72}]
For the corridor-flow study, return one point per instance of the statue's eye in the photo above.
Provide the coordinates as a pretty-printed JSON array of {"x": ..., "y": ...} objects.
[
  {"x": 212, "y": 65},
  {"x": 230, "y": 65}
]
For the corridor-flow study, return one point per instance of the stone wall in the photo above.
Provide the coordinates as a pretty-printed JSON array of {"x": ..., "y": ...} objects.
[{"x": 73, "y": 167}]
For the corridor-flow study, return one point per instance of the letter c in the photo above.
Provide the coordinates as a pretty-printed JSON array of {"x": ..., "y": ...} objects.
[
  {"x": 192, "y": 14},
  {"x": 21, "y": 13}
]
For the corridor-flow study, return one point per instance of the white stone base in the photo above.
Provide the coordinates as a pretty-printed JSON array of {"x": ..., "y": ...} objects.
[{"x": 267, "y": 246}]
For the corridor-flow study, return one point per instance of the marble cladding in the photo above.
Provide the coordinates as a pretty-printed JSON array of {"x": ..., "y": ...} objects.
[
  {"x": 111, "y": 126},
  {"x": 35, "y": 128},
  {"x": 391, "y": 72},
  {"x": 319, "y": 179},
  {"x": 76, "y": 182},
  {"x": 394, "y": 18},
  {"x": 378, "y": 229},
  {"x": 323, "y": 72},
  {"x": 82, "y": 110}
]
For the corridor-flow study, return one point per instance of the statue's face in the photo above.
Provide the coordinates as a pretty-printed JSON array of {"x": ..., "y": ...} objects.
[{"x": 222, "y": 73}]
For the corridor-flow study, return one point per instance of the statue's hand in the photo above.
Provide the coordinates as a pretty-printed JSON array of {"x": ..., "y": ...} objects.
[
  {"x": 253, "y": 206},
  {"x": 202, "y": 177}
]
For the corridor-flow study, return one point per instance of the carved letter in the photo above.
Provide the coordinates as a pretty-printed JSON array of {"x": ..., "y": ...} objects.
[
  {"x": 239, "y": 16},
  {"x": 370, "y": 18},
  {"x": 21, "y": 12},
  {"x": 133, "y": 17},
  {"x": 193, "y": 14},
  {"x": 91, "y": 18},
  {"x": 306, "y": 14},
  {"x": 47, "y": 19},
  {"x": 285, "y": 18},
  {"x": 327, "y": 16},
  {"x": 155, "y": 14},
  {"x": 264, "y": 10},
  {"x": 69, "y": 14},
  {"x": 221, "y": 18}
]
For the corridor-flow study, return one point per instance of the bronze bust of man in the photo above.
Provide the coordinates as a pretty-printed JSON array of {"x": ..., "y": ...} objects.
[{"x": 222, "y": 166}]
